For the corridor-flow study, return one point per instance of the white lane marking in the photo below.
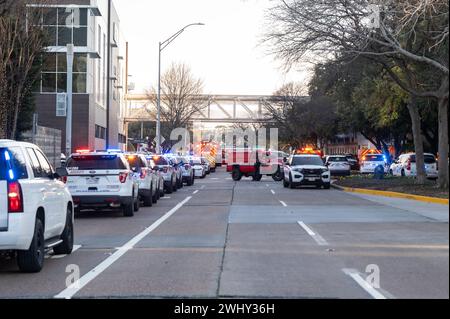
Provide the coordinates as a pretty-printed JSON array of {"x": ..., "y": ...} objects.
[
  {"x": 354, "y": 274},
  {"x": 73, "y": 289},
  {"x": 214, "y": 179},
  {"x": 319, "y": 239},
  {"x": 203, "y": 187},
  {"x": 166, "y": 197},
  {"x": 283, "y": 203},
  {"x": 75, "y": 248},
  {"x": 195, "y": 192},
  {"x": 272, "y": 191}
]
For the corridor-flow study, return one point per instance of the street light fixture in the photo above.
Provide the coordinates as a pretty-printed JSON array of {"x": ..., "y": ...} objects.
[{"x": 162, "y": 46}]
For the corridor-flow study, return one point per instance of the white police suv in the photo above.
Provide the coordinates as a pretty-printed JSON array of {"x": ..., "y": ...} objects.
[
  {"x": 99, "y": 180},
  {"x": 36, "y": 209},
  {"x": 148, "y": 181},
  {"x": 302, "y": 170}
]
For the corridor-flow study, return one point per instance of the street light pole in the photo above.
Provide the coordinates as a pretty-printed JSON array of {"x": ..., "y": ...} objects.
[
  {"x": 162, "y": 46},
  {"x": 70, "y": 57}
]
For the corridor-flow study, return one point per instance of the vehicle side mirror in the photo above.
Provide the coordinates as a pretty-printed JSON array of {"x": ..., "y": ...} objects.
[{"x": 61, "y": 172}]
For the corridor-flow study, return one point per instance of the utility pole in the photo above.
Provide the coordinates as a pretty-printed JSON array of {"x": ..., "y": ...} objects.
[
  {"x": 108, "y": 76},
  {"x": 70, "y": 57}
]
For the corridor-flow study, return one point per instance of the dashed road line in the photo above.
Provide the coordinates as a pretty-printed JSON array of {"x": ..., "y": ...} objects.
[
  {"x": 73, "y": 289},
  {"x": 319, "y": 239},
  {"x": 195, "y": 192},
  {"x": 283, "y": 203},
  {"x": 272, "y": 191},
  {"x": 354, "y": 274}
]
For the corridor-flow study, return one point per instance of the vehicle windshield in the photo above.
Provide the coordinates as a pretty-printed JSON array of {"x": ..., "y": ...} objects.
[
  {"x": 160, "y": 161},
  {"x": 95, "y": 162},
  {"x": 306, "y": 160},
  {"x": 338, "y": 159},
  {"x": 12, "y": 158},
  {"x": 196, "y": 161},
  {"x": 374, "y": 158},
  {"x": 135, "y": 161}
]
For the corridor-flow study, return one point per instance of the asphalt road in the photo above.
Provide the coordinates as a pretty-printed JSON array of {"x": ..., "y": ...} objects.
[{"x": 248, "y": 239}]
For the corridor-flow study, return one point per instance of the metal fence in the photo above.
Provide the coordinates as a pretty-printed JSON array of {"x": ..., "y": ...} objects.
[{"x": 49, "y": 140}]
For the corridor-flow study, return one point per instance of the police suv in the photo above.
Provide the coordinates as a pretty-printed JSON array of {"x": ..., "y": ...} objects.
[{"x": 302, "y": 170}]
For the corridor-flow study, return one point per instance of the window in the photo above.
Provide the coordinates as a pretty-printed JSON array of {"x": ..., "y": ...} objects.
[
  {"x": 16, "y": 163},
  {"x": 35, "y": 165},
  {"x": 92, "y": 162},
  {"x": 54, "y": 73},
  {"x": 100, "y": 132},
  {"x": 63, "y": 26},
  {"x": 122, "y": 139},
  {"x": 47, "y": 169}
]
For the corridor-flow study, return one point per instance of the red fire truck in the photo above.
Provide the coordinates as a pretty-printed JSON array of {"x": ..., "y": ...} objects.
[{"x": 255, "y": 163}]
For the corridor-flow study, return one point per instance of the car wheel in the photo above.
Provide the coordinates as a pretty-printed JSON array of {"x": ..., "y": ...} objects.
[
  {"x": 291, "y": 183},
  {"x": 285, "y": 183},
  {"x": 148, "y": 202},
  {"x": 136, "y": 204},
  {"x": 32, "y": 260},
  {"x": 403, "y": 173},
  {"x": 236, "y": 175},
  {"x": 391, "y": 172},
  {"x": 66, "y": 247},
  {"x": 155, "y": 197},
  {"x": 128, "y": 210},
  {"x": 170, "y": 188},
  {"x": 327, "y": 186},
  {"x": 278, "y": 176},
  {"x": 190, "y": 181},
  {"x": 257, "y": 177}
]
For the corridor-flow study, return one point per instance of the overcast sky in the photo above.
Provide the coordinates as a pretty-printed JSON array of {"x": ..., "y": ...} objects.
[{"x": 225, "y": 53}]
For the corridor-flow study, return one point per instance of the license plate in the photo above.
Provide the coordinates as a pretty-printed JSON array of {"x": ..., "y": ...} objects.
[{"x": 311, "y": 179}]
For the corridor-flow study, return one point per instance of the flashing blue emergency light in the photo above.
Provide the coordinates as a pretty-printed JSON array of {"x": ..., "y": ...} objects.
[
  {"x": 7, "y": 156},
  {"x": 11, "y": 174}
]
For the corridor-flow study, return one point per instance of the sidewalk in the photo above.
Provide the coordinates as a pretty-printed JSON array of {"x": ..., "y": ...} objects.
[{"x": 437, "y": 212}]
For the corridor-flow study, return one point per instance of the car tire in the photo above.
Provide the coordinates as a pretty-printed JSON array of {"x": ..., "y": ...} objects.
[
  {"x": 148, "y": 202},
  {"x": 257, "y": 177},
  {"x": 327, "y": 186},
  {"x": 278, "y": 176},
  {"x": 236, "y": 175},
  {"x": 403, "y": 173},
  {"x": 291, "y": 183},
  {"x": 190, "y": 181},
  {"x": 128, "y": 210},
  {"x": 136, "y": 204},
  {"x": 32, "y": 260},
  {"x": 155, "y": 197},
  {"x": 66, "y": 247},
  {"x": 169, "y": 188},
  {"x": 285, "y": 183}
]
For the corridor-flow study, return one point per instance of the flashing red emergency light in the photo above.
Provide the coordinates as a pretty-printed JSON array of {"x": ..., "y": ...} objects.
[{"x": 82, "y": 151}]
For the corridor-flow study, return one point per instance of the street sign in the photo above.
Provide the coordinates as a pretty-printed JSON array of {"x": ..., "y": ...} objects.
[{"x": 61, "y": 105}]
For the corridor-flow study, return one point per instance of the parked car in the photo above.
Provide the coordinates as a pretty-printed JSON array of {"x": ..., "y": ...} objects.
[
  {"x": 36, "y": 208},
  {"x": 177, "y": 164},
  {"x": 169, "y": 174},
  {"x": 405, "y": 165},
  {"x": 371, "y": 162},
  {"x": 99, "y": 180},
  {"x": 338, "y": 165},
  {"x": 302, "y": 170},
  {"x": 199, "y": 169},
  {"x": 353, "y": 160},
  {"x": 206, "y": 165},
  {"x": 159, "y": 174},
  {"x": 187, "y": 171},
  {"x": 147, "y": 180}
]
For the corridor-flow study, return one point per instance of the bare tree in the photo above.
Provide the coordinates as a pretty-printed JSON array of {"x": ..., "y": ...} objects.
[
  {"x": 394, "y": 33},
  {"x": 181, "y": 98},
  {"x": 21, "y": 44}
]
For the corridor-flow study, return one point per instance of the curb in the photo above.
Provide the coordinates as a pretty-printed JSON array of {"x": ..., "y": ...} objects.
[{"x": 425, "y": 199}]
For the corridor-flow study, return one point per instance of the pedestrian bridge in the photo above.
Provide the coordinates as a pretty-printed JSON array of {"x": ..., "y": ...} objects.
[{"x": 217, "y": 108}]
